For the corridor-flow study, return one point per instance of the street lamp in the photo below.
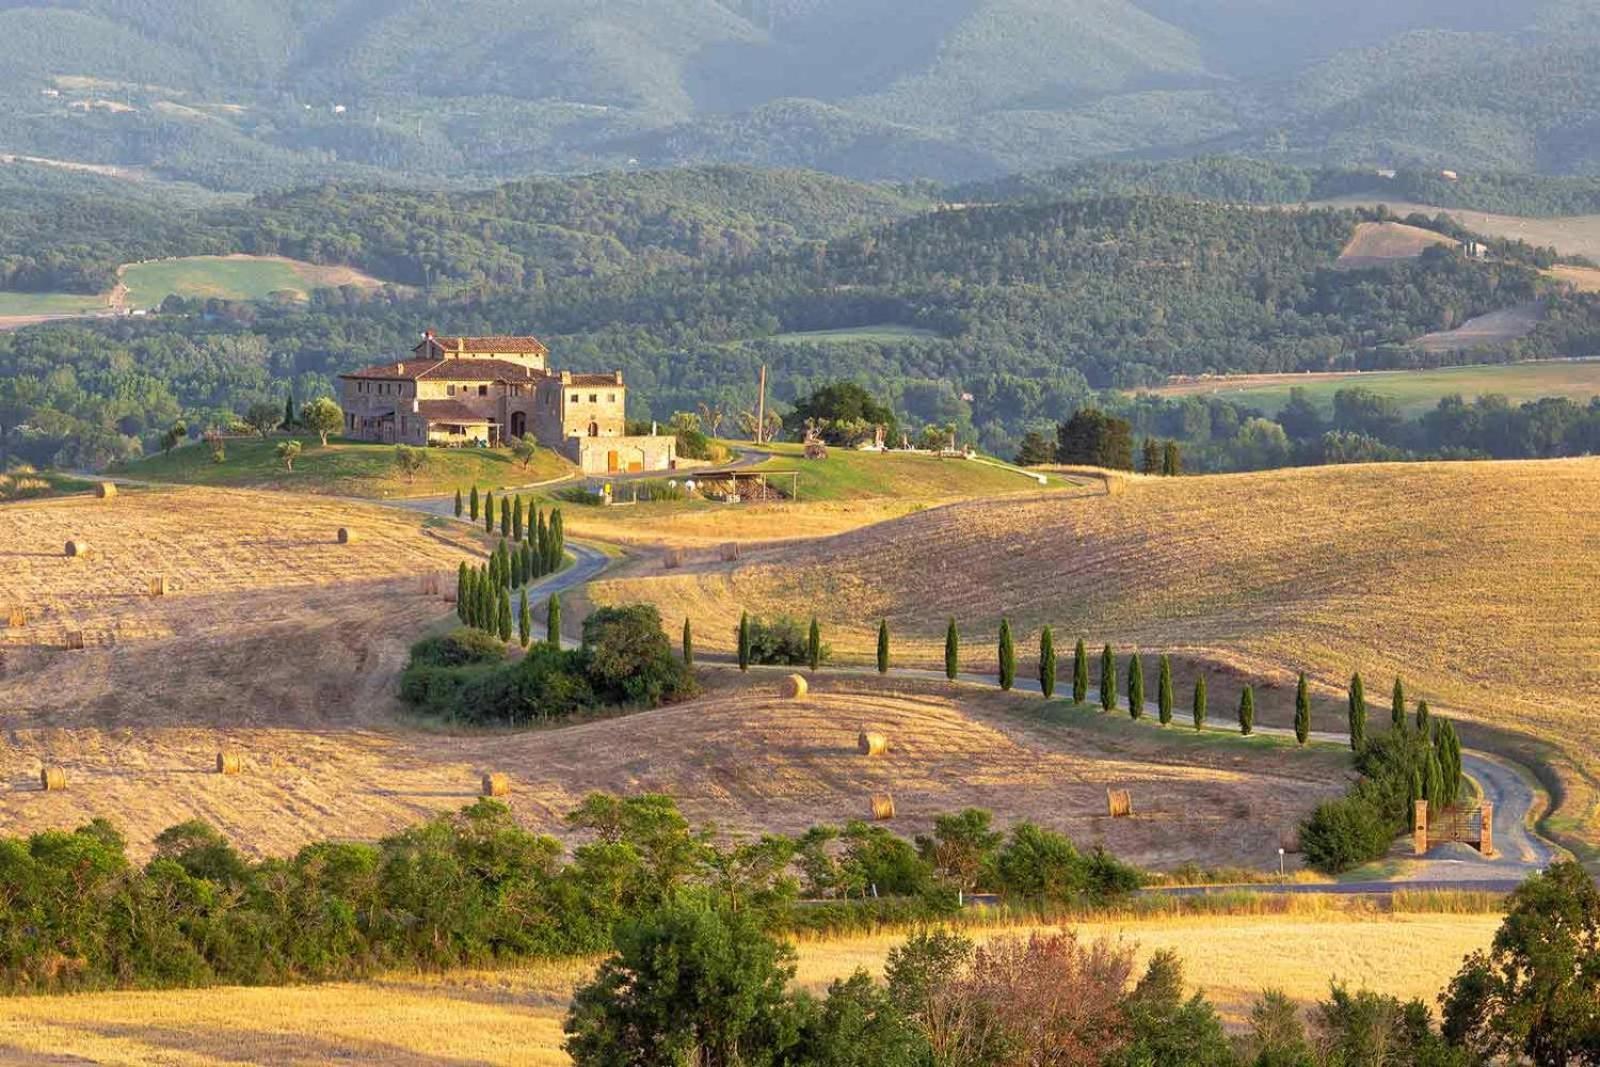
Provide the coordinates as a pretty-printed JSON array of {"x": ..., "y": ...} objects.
[{"x": 1280, "y": 863}]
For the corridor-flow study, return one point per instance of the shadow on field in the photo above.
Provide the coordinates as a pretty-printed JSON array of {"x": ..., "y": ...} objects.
[{"x": 262, "y": 1046}]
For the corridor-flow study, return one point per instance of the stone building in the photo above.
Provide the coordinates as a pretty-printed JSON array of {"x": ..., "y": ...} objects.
[{"x": 484, "y": 391}]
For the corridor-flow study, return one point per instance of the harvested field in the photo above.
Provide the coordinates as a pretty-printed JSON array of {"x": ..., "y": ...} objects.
[
  {"x": 514, "y": 1016},
  {"x": 1377, "y": 244},
  {"x": 1572, "y": 235},
  {"x": 1583, "y": 279},
  {"x": 1473, "y": 580},
  {"x": 1485, "y": 331},
  {"x": 329, "y": 760},
  {"x": 216, "y": 548}
]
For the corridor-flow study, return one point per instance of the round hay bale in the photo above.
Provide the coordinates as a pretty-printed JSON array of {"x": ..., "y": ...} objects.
[
  {"x": 229, "y": 762},
  {"x": 793, "y": 687},
  {"x": 496, "y": 785},
  {"x": 882, "y": 808},
  {"x": 346, "y": 535},
  {"x": 869, "y": 744},
  {"x": 52, "y": 779},
  {"x": 105, "y": 490},
  {"x": 1119, "y": 802},
  {"x": 75, "y": 549}
]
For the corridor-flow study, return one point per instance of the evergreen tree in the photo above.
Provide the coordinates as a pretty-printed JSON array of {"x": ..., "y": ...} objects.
[
  {"x": 458, "y": 502},
  {"x": 688, "y": 643},
  {"x": 744, "y": 641},
  {"x": 1397, "y": 706},
  {"x": 1047, "y": 663},
  {"x": 814, "y": 644},
  {"x": 1008, "y": 657},
  {"x": 1433, "y": 784},
  {"x": 1108, "y": 680},
  {"x": 503, "y": 553},
  {"x": 552, "y": 620},
  {"x": 1164, "y": 690},
  {"x": 1416, "y": 794},
  {"x": 505, "y": 518},
  {"x": 1171, "y": 460},
  {"x": 288, "y": 412},
  {"x": 952, "y": 650},
  {"x": 1080, "y": 673},
  {"x": 524, "y": 619},
  {"x": 1199, "y": 707},
  {"x": 472, "y": 506},
  {"x": 1302, "y": 711},
  {"x": 1247, "y": 711},
  {"x": 516, "y": 519},
  {"x": 538, "y": 545},
  {"x": 1423, "y": 716},
  {"x": 503, "y": 616},
  {"x": 1358, "y": 714},
  {"x": 1150, "y": 461},
  {"x": 883, "y": 646},
  {"x": 1449, "y": 749},
  {"x": 488, "y": 511},
  {"x": 1135, "y": 687},
  {"x": 486, "y": 590},
  {"x": 461, "y": 591}
]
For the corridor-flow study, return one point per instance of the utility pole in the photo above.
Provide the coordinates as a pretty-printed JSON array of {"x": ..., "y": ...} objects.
[{"x": 761, "y": 409}]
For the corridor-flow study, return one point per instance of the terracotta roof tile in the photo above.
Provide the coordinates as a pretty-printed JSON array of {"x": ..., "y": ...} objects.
[
  {"x": 490, "y": 344},
  {"x": 594, "y": 379},
  {"x": 480, "y": 370}
]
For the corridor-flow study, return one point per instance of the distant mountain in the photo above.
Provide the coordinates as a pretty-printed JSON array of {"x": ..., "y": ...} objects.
[{"x": 254, "y": 94}]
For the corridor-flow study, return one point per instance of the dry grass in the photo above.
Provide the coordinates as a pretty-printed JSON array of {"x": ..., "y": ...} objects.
[
  {"x": 1378, "y": 243},
  {"x": 702, "y": 528},
  {"x": 514, "y": 1016},
  {"x": 324, "y": 757},
  {"x": 1494, "y": 328},
  {"x": 1475, "y": 581},
  {"x": 1583, "y": 279},
  {"x": 217, "y": 549},
  {"x": 1574, "y": 235}
]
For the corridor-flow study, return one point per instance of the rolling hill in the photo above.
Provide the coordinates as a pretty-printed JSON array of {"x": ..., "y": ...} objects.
[
  {"x": 1328, "y": 570},
  {"x": 247, "y": 94}
]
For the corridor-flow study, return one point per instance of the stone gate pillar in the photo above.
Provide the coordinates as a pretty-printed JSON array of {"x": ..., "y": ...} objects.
[
  {"x": 1486, "y": 842},
  {"x": 1419, "y": 836}
]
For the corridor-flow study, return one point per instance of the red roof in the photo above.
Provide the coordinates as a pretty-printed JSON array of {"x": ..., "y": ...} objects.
[
  {"x": 449, "y": 411},
  {"x": 490, "y": 344},
  {"x": 452, "y": 370},
  {"x": 594, "y": 379}
]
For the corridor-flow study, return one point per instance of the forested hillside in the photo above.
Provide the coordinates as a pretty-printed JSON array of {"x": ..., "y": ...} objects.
[
  {"x": 999, "y": 319},
  {"x": 255, "y": 95}
]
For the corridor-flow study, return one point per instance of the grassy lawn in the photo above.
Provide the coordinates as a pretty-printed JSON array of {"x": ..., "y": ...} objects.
[
  {"x": 344, "y": 468},
  {"x": 209, "y": 276},
  {"x": 1419, "y": 391},
  {"x": 850, "y": 475},
  {"x": 49, "y": 303}
]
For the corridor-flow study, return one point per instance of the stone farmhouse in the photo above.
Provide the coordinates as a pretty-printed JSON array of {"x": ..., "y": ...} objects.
[{"x": 485, "y": 391}]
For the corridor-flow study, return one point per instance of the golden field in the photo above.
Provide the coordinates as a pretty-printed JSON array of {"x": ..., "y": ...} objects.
[
  {"x": 1474, "y": 580},
  {"x": 514, "y": 1016}
]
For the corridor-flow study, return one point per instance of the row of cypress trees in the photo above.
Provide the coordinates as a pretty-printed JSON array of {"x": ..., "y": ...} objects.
[
  {"x": 483, "y": 597},
  {"x": 519, "y": 523}
]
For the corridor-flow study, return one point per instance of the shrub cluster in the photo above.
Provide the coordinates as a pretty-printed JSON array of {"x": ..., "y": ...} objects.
[
  {"x": 784, "y": 641},
  {"x": 625, "y": 660}
]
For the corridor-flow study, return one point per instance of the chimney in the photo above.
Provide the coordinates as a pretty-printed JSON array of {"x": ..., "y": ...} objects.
[
  {"x": 399, "y": 368},
  {"x": 619, "y": 377}
]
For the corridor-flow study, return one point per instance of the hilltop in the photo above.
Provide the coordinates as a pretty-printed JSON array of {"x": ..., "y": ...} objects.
[{"x": 249, "y": 94}]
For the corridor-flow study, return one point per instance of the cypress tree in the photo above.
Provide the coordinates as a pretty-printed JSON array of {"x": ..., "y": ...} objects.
[
  {"x": 1416, "y": 794},
  {"x": 883, "y": 646},
  {"x": 473, "y": 504},
  {"x": 1008, "y": 657},
  {"x": 1047, "y": 663},
  {"x": 525, "y": 558},
  {"x": 688, "y": 643},
  {"x": 536, "y": 543},
  {"x": 1397, "y": 705},
  {"x": 1080, "y": 673},
  {"x": 1164, "y": 690},
  {"x": 952, "y": 650},
  {"x": 1358, "y": 714},
  {"x": 288, "y": 412},
  {"x": 1449, "y": 749},
  {"x": 1433, "y": 783},
  {"x": 458, "y": 501},
  {"x": 493, "y": 568},
  {"x": 504, "y": 554},
  {"x": 503, "y": 615},
  {"x": 1302, "y": 711},
  {"x": 1422, "y": 717},
  {"x": 1199, "y": 708},
  {"x": 744, "y": 641},
  {"x": 488, "y": 511},
  {"x": 814, "y": 644},
  {"x": 1247, "y": 711},
  {"x": 505, "y": 518},
  {"x": 524, "y": 619},
  {"x": 552, "y": 620},
  {"x": 535, "y": 524},
  {"x": 1135, "y": 687},
  {"x": 461, "y": 591},
  {"x": 486, "y": 588},
  {"x": 1108, "y": 680},
  {"x": 516, "y": 519},
  {"x": 469, "y": 598}
]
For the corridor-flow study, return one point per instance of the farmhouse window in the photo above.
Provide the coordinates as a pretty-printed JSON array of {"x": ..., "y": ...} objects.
[
  {"x": 450, "y": 390},
  {"x": 483, "y": 390},
  {"x": 594, "y": 398}
]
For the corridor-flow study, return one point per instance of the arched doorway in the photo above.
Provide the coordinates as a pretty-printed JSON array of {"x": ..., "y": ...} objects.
[
  {"x": 519, "y": 424},
  {"x": 594, "y": 429}
]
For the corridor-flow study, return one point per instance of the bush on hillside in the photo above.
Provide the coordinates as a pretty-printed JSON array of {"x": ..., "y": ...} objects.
[{"x": 783, "y": 642}]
